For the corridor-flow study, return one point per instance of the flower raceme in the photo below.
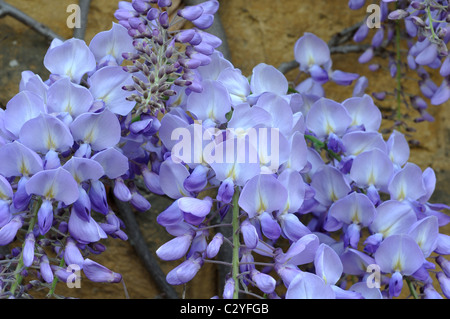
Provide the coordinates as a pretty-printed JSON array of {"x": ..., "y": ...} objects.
[
  {"x": 337, "y": 180},
  {"x": 59, "y": 148},
  {"x": 315, "y": 192},
  {"x": 423, "y": 25},
  {"x": 67, "y": 139}
]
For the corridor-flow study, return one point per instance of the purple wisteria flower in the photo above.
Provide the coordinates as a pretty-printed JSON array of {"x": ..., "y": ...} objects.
[{"x": 342, "y": 198}]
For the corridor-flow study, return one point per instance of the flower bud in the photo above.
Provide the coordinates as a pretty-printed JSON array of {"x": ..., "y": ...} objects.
[
  {"x": 249, "y": 234},
  {"x": 175, "y": 248},
  {"x": 164, "y": 3},
  {"x": 214, "y": 246},
  {"x": 82, "y": 206},
  {"x": 164, "y": 19},
  {"x": 398, "y": 14},
  {"x": 418, "y": 21},
  {"x": 418, "y": 5},
  {"x": 140, "y": 6},
  {"x": 395, "y": 284},
  {"x": 226, "y": 191},
  {"x": 228, "y": 290},
  {"x": 197, "y": 180},
  {"x": 430, "y": 292},
  {"x": 99, "y": 273},
  {"x": 28, "y": 250},
  {"x": 72, "y": 254},
  {"x": 45, "y": 217},
  {"x": 152, "y": 14},
  {"x": 444, "y": 282},
  {"x": 185, "y": 272},
  {"x": 139, "y": 202},
  {"x": 97, "y": 195},
  {"x": 205, "y": 21},
  {"x": 190, "y": 12},
  {"x": 263, "y": 281},
  {"x": 444, "y": 264},
  {"x": 121, "y": 191},
  {"x": 46, "y": 271}
]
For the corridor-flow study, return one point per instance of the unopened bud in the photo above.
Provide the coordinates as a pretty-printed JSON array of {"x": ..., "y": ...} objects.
[
  {"x": 417, "y": 21},
  {"x": 128, "y": 88},
  {"x": 169, "y": 93},
  {"x": 145, "y": 70},
  {"x": 417, "y": 5},
  {"x": 398, "y": 14},
  {"x": 161, "y": 72},
  {"x": 130, "y": 69},
  {"x": 164, "y": 19},
  {"x": 152, "y": 14},
  {"x": 164, "y": 87}
]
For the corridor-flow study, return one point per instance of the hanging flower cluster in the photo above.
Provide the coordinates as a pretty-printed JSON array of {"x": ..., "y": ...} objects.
[
  {"x": 421, "y": 27},
  {"x": 315, "y": 191}
]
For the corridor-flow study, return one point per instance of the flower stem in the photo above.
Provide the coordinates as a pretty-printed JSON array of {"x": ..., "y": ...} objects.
[
  {"x": 235, "y": 260},
  {"x": 411, "y": 288},
  {"x": 55, "y": 281},
  {"x": 430, "y": 21},
  {"x": 18, "y": 277},
  {"x": 399, "y": 69}
]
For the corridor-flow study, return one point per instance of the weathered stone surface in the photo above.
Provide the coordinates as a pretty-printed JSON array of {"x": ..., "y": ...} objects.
[{"x": 258, "y": 31}]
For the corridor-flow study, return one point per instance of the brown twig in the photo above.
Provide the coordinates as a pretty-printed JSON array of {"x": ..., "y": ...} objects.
[
  {"x": 80, "y": 32},
  {"x": 7, "y": 9},
  {"x": 138, "y": 242},
  {"x": 344, "y": 35}
]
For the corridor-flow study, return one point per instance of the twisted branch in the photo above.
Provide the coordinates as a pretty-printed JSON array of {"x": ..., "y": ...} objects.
[{"x": 7, "y": 9}]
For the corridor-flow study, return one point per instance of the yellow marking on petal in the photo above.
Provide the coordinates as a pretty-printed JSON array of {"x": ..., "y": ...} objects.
[
  {"x": 402, "y": 194},
  {"x": 261, "y": 206},
  {"x": 77, "y": 178},
  {"x": 23, "y": 167},
  {"x": 50, "y": 143},
  {"x": 355, "y": 217},
  {"x": 329, "y": 129},
  {"x": 89, "y": 137},
  {"x": 311, "y": 60},
  {"x": 3, "y": 196},
  {"x": 286, "y": 209},
  {"x": 232, "y": 173},
  {"x": 49, "y": 193},
  {"x": 420, "y": 242},
  {"x": 333, "y": 196},
  {"x": 358, "y": 152},
  {"x": 398, "y": 264},
  {"x": 112, "y": 50},
  {"x": 68, "y": 108},
  {"x": 211, "y": 114},
  {"x": 371, "y": 180}
]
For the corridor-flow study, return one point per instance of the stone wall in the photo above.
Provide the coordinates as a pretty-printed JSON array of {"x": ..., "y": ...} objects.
[{"x": 257, "y": 31}]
